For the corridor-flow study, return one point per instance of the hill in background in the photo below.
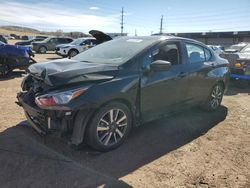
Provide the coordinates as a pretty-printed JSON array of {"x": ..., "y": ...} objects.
[{"x": 21, "y": 31}]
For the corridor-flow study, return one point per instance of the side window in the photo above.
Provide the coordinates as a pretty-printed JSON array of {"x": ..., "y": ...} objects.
[
  {"x": 53, "y": 40},
  {"x": 87, "y": 42},
  {"x": 195, "y": 53},
  {"x": 62, "y": 40},
  {"x": 169, "y": 52},
  {"x": 208, "y": 54},
  {"x": 93, "y": 42},
  {"x": 68, "y": 40}
]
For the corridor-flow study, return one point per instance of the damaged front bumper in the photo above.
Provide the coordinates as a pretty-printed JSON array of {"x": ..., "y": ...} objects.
[
  {"x": 43, "y": 121},
  {"x": 59, "y": 121}
]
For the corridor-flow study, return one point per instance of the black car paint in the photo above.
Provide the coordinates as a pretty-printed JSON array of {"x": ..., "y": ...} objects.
[{"x": 131, "y": 83}]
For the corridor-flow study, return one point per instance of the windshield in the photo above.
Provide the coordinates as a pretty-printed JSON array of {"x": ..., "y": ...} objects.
[{"x": 115, "y": 51}]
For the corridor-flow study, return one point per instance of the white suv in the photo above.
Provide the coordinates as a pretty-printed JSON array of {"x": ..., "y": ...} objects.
[{"x": 75, "y": 47}]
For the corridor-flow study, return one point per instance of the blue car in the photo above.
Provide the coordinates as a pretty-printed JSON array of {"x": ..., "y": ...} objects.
[{"x": 14, "y": 57}]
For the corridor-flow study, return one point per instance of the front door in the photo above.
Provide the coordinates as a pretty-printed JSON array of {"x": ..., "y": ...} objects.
[{"x": 163, "y": 91}]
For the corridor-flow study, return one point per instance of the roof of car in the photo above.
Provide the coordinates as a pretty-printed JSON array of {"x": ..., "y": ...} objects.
[{"x": 162, "y": 38}]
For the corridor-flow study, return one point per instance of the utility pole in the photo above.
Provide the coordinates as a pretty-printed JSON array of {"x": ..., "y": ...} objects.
[
  {"x": 161, "y": 24},
  {"x": 135, "y": 33},
  {"x": 122, "y": 21}
]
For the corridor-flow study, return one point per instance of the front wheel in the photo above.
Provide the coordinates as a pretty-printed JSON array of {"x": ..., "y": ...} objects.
[
  {"x": 72, "y": 53},
  {"x": 42, "y": 50},
  {"x": 109, "y": 127},
  {"x": 215, "y": 97}
]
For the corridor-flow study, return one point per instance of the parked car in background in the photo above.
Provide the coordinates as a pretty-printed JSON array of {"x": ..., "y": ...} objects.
[
  {"x": 3, "y": 39},
  {"x": 99, "y": 94},
  {"x": 14, "y": 57},
  {"x": 217, "y": 48},
  {"x": 82, "y": 44},
  {"x": 10, "y": 37},
  {"x": 15, "y": 36},
  {"x": 28, "y": 42},
  {"x": 25, "y": 37},
  {"x": 236, "y": 47},
  {"x": 240, "y": 69},
  {"x": 75, "y": 47},
  {"x": 49, "y": 44}
]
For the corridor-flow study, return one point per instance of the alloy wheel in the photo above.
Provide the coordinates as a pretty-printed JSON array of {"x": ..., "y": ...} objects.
[
  {"x": 42, "y": 50},
  {"x": 112, "y": 127},
  {"x": 216, "y": 96},
  {"x": 73, "y": 53}
]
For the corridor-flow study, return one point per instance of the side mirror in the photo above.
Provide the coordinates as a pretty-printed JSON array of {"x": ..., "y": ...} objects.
[{"x": 160, "y": 65}]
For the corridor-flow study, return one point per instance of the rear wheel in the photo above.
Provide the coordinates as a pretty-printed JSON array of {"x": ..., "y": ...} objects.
[
  {"x": 109, "y": 127},
  {"x": 42, "y": 50},
  {"x": 215, "y": 97}
]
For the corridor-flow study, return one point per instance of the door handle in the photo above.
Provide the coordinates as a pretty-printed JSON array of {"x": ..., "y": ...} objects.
[{"x": 182, "y": 75}]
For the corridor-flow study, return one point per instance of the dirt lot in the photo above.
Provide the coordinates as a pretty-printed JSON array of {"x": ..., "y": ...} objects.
[{"x": 192, "y": 149}]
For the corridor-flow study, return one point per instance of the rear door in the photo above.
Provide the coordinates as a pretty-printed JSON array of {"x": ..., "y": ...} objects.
[
  {"x": 163, "y": 91},
  {"x": 200, "y": 62}
]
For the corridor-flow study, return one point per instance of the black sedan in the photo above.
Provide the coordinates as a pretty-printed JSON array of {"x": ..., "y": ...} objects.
[{"x": 100, "y": 94}]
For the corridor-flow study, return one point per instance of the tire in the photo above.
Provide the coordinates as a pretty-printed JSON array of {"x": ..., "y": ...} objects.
[
  {"x": 214, "y": 99},
  {"x": 103, "y": 135},
  {"x": 42, "y": 50},
  {"x": 4, "y": 70},
  {"x": 72, "y": 53}
]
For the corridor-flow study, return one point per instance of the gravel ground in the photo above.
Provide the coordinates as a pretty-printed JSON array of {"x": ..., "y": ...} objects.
[{"x": 192, "y": 149}]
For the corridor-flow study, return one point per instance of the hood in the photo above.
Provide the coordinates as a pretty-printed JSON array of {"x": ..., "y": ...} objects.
[
  {"x": 66, "y": 71},
  {"x": 100, "y": 36}
]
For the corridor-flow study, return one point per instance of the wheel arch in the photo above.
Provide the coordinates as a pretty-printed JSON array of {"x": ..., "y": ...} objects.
[
  {"x": 72, "y": 49},
  {"x": 83, "y": 118}
]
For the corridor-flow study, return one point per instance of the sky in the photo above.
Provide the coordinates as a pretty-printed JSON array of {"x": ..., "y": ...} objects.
[{"x": 140, "y": 16}]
